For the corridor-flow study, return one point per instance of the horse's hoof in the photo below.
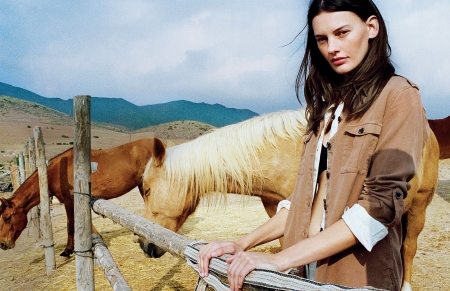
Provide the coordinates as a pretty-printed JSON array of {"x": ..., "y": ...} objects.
[{"x": 66, "y": 253}]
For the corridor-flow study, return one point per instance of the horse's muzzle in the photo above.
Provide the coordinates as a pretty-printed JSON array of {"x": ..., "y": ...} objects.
[
  {"x": 150, "y": 249},
  {"x": 7, "y": 245}
]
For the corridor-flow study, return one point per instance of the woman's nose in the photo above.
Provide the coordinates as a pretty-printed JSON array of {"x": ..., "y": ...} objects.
[{"x": 333, "y": 45}]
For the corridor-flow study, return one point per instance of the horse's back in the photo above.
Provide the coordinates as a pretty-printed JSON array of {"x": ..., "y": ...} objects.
[{"x": 441, "y": 128}]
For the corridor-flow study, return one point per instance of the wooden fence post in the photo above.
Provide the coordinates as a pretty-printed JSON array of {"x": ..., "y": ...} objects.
[
  {"x": 82, "y": 180},
  {"x": 46, "y": 223},
  {"x": 21, "y": 168},
  {"x": 34, "y": 229},
  {"x": 15, "y": 176},
  {"x": 26, "y": 154},
  {"x": 31, "y": 155}
]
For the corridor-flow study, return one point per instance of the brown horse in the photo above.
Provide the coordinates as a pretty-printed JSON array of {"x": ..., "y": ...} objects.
[
  {"x": 258, "y": 157},
  {"x": 441, "y": 128},
  {"x": 115, "y": 172}
]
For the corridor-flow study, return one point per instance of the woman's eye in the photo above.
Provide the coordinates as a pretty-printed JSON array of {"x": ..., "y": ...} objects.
[
  {"x": 321, "y": 39},
  {"x": 343, "y": 32}
]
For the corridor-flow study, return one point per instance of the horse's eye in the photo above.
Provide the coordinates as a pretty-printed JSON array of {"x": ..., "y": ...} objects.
[
  {"x": 147, "y": 192},
  {"x": 7, "y": 219}
]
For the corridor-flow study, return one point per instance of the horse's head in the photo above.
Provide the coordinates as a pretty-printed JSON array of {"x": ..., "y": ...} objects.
[
  {"x": 163, "y": 205},
  {"x": 13, "y": 221}
]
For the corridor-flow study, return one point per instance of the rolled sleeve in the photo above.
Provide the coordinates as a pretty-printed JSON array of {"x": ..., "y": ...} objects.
[
  {"x": 396, "y": 157},
  {"x": 366, "y": 229},
  {"x": 284, "y": 204}
]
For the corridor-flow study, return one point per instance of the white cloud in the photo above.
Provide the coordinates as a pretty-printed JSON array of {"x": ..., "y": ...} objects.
[
  {"x": 217, "y": 52},
  {"x": 422, "y": 39}
]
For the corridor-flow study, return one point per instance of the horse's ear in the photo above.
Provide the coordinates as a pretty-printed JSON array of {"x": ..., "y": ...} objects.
[
  {"x": 5, "y": 202},
  {"x": 159, "y": 152},
  {"x": 170, "y": 143}
]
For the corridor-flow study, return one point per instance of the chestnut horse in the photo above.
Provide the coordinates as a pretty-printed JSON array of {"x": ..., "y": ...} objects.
[
  {"x": 117, "y": 171},
  {"x": 259, "y": 156},
  {"x": 441, "y": 128}
]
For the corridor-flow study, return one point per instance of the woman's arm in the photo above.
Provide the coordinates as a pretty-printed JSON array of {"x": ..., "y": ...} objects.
[
  {"x": 331, "y": 241},
  {"x": 270, "y": 230}
]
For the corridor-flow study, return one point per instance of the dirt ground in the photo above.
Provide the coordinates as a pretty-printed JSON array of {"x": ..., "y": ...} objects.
[{"x": 23, "y": 268}]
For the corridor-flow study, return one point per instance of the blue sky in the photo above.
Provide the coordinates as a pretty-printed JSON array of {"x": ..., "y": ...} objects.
[{"x": 228, "y": 52}]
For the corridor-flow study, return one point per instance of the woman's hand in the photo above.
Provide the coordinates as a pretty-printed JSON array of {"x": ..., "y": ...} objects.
[
  {"x": 215, "y": 249},
  {"x": 242, "y": 263},
  {"x": 270, "y": 230}
]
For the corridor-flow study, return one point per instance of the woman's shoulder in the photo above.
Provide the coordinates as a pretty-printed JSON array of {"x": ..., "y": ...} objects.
[
  {"x": 400, "y": 91},
  {"x": 400, "y": 83}
]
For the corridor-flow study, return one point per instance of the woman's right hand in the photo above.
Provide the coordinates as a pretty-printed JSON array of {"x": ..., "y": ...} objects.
[{"x": 215, "y": 249}]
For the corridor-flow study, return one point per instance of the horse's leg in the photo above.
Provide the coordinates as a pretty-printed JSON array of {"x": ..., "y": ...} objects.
[
  {"x": 270, "y": 205},
  {"x": 415, "y": 221},
  {"x": 69, "y": 206}
]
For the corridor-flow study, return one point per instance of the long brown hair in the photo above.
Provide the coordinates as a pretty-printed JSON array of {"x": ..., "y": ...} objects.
[{"x": 324, "y": 87}]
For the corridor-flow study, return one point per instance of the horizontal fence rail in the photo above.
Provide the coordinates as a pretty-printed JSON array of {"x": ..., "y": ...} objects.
[
  {"x": 182, "y": 247},
  {"x": 109, "y": 266},
  {"x": 166, "y": 239}
]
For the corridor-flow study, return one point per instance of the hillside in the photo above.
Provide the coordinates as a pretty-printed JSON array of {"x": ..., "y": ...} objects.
[
  {"x": 13, "y": 109},
  {"x": 186, "y": 129},
  {"x": 19, "y": 117},
  {"x": 124, "y": 114}
]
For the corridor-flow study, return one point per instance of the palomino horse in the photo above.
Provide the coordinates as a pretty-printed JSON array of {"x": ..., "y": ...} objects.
[
  {"x": 118, "y": 171},
  {"x": 259, "y": 157},
  {"x": 441, "y": 128}
]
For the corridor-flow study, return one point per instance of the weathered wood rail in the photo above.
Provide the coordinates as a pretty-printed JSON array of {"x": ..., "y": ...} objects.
[
  {"x": 109, "y": 266},
  {"x": 166, "y": 239},
  {"x": 182, "y": 247}
]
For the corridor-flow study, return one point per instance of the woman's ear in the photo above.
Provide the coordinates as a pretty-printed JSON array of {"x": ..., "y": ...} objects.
[{"x": 373, "y": 25}]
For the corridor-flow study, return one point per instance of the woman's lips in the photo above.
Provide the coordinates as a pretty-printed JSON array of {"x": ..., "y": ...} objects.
[{"x": 338, "y": 61}]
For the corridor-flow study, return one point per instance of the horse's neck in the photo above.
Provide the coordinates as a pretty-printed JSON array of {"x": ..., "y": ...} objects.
[{"x": 27, "y": 195}]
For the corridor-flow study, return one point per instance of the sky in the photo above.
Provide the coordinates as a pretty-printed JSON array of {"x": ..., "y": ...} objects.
[{"x": 241, "y": 54}]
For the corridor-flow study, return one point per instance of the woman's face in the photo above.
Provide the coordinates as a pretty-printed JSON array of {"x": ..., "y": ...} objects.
[{"x": 343, "y": 38}]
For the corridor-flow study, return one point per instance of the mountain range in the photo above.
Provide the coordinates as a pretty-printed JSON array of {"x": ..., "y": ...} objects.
[{"x": 122, "y": 113}]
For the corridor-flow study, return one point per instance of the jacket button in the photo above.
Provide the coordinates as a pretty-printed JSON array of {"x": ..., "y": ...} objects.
[
  {"x": 328, "y": 145},
  {"x": 361, "y": 130},
  {"x": 398, "y": 195}
]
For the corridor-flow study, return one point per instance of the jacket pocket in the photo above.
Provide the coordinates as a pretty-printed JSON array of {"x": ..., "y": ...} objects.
[{"x": 360, "y": 141}]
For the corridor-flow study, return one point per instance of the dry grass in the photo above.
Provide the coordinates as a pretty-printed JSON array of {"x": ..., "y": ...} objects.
[{"x": 24, "y": 267}]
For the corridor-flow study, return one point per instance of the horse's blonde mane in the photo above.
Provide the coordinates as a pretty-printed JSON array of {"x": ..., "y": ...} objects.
[{"x": 228, "y": 156}]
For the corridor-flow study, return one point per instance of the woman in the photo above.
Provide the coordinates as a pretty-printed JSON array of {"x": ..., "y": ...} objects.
[{"x": 365, "y": 134}]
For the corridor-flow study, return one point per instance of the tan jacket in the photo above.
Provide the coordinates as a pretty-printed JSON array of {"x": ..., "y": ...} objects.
[{"x": 370, "y": 161}]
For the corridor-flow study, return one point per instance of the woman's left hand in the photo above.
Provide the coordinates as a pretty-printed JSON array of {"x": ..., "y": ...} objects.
[{"x": 243, "y": 263}]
